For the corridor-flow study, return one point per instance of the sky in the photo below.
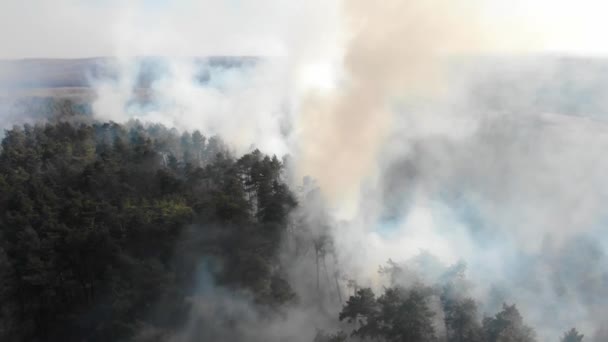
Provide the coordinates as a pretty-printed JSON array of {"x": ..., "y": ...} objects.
[
  {"x": 554, "y": 26},
  {"x": 87, "y": 28}
]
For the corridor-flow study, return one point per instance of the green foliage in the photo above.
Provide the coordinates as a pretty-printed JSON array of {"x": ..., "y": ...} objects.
[
  {"x": 460, "y": 313},
  {"x": 404, "y": 314},
  {"x": 93, "y": 220},
  {"x": 572, "y": 335},
  {"x": 100, "y": 221},
  {"x": 362, "y": 309},
  {"x": 397, "y": 315},
  {"x": 461, "y": 320},
  {"x": 507, "y": 326}
]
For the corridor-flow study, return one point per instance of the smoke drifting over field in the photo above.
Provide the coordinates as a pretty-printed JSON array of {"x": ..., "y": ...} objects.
[{"x": 417, "y": 142}]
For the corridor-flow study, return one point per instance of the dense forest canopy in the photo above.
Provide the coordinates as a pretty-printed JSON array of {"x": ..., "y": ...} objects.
[
  {"x": 108, "y": 231},
  {"x": 95, "y": 219}
]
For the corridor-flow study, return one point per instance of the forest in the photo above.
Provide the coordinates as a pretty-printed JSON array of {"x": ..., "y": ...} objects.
[{"x": 105, "y": 228}]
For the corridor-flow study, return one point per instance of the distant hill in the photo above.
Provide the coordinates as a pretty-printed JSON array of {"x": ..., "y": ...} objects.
[
  {"x": 37, "y": 89},
  {"x": 52, "y": 73},
  {"x": 572, "y": 86},
  {"x": 77, "y": 73}
]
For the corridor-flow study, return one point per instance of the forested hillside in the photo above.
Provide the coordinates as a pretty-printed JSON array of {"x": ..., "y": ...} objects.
[
  {"x": 100, "y": 222},
  {"x": 105, "y": 229}
]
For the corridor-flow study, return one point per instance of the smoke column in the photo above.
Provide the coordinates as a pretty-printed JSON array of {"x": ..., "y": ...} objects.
[{"x": 396, "y": 50}]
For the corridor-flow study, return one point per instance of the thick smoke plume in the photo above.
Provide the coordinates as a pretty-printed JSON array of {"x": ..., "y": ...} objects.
[{"x": 396, "y": 49}]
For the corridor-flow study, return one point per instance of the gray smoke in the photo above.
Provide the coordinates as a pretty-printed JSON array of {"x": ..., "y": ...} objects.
[{"x": 417, "y": 141}]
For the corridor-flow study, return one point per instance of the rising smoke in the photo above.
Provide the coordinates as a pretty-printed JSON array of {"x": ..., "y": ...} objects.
[
  {"x": 416, "y": 144},
  {"x": 501, "y": 190},
  {"x": 396, "y": 49}
]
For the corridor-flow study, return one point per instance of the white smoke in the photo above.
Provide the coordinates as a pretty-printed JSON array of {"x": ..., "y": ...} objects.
[
  {"x": 461, "y": 174},
  {"x": 474, "y": 167}
]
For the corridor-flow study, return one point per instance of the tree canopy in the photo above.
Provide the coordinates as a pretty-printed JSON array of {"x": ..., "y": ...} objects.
[
  {"x": 92, "y": 214},
  {"x": 102, "y": 224}
]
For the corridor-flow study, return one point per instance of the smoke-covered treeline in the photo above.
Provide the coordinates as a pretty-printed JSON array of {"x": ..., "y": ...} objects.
[
  {"x": 101, "y": 222},
  {"x": 137, "y": 232},
  {"x": 465, "y": 140}
]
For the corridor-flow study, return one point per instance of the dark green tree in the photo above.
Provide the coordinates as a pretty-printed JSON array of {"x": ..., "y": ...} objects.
[
  {"x": 397, "y": 315},
  {"x": 507, "y": 326},
  {"x": 572, "y": 335},
  {"x": 363, "y": 310},
  {"x": 460, "y": 315},
  {"x": 99, "y": 222}
]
